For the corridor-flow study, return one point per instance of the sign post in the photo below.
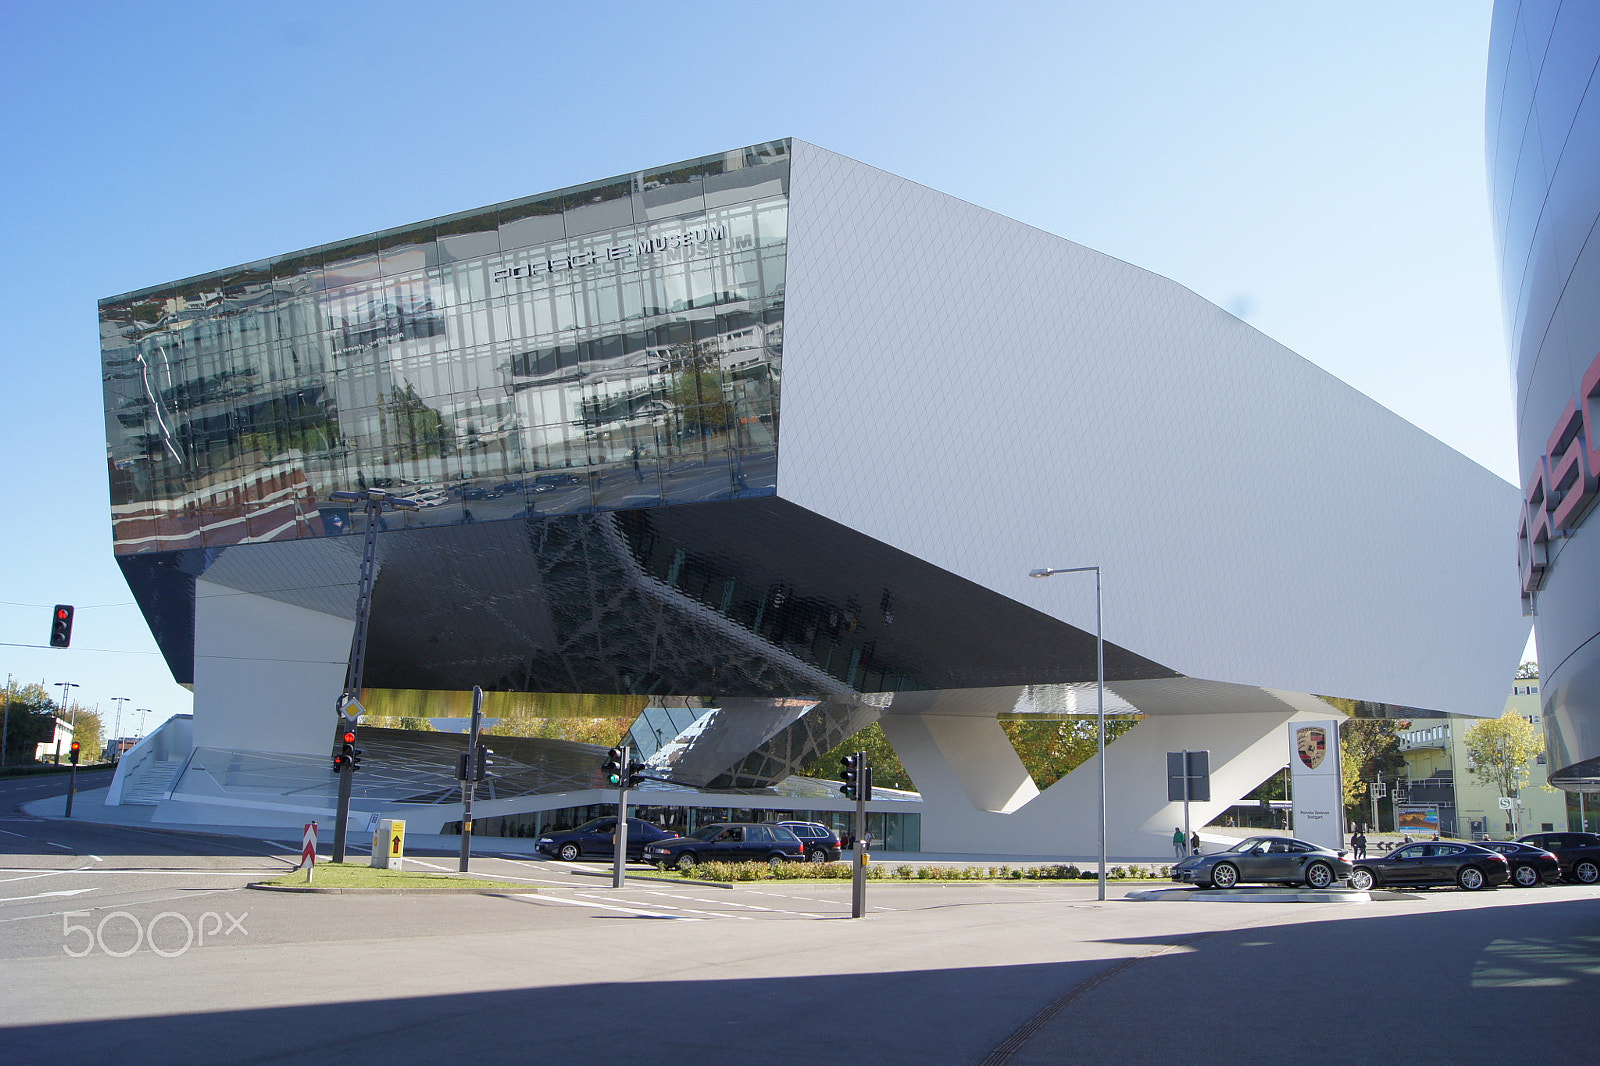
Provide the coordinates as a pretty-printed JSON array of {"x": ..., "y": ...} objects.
[
  {"x": 1317, "y": 799},
  {"x": 619, "y": 839},
  {"x": 1188, "y": 779},
  {"x": 308, "y": 850}
]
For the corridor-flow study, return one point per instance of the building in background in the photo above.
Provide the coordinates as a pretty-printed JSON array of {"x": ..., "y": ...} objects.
[
  {"x": 761, "y": 447},
  {"x": 1543, "y": 150},
  {"x": 1439, "y": 774}
]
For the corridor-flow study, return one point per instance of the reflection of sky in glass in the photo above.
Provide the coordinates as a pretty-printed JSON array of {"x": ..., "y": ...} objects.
[{"x": 612, "y": 346}]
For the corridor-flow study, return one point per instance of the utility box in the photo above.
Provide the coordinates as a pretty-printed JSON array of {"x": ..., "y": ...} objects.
[{"x": 389, "y": 843}]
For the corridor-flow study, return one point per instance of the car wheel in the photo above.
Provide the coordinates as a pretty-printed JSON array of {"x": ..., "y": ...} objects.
[
  {"x": 1361, "y": 879},
  {"x": 1319, "y": 875},
  {"x": 569, "y": 852},
  {"x": 1524, "y": 875},
  {"x": 817, "y": 855},
  {"x": 686, "y": 861},
  {"x": 1471, "y": 878},
  {"x": 1224, "y": 875},
  {"x": 1586, "y": 871},
  {"x": 775, "y": 861}
]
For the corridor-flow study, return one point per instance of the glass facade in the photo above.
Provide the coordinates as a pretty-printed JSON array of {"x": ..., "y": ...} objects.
[{"x": 610, "y": 346}]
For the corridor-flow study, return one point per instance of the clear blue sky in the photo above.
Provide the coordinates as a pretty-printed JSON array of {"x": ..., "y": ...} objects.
[{"x": 1315, "y": 168}]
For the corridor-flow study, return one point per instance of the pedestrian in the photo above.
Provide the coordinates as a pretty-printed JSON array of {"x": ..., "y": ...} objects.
[
  {"x": 1178, "y": 849},
  {"x": 1358, "y": 845},
  {"x": 1194, "y": 842}
]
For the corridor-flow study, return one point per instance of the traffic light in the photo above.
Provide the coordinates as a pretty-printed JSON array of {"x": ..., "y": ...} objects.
[
  {"x": 481, "y": 771},
  {"x": 850, "y": 774},
  {"x": 616, "y": 767},
  {"x": 74, "y": 753},
  {"x": 61, "y": 626},
  {"x": 866, "y": 792}
]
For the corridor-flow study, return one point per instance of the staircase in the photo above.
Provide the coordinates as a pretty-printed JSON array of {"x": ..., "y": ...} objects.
[{"x": 154, "y": 782}]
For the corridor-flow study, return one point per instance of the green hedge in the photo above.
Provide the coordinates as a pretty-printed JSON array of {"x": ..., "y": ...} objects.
[{"x": 841, "y": 871}]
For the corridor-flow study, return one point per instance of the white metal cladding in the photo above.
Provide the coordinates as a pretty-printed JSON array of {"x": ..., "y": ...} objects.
[{"x": 993, "y": 398}]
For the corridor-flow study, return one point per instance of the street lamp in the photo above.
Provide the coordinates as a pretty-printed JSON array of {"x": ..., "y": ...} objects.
[
  {"x": 141, "y": 712},
  {"x": 116, "y": 735},
  {"x": 1100, "y": 696},
  {"x": 66, "y": 688}
]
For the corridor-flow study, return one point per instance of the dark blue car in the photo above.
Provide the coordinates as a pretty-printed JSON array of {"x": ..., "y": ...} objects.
[{"x": 596, "y": 839}]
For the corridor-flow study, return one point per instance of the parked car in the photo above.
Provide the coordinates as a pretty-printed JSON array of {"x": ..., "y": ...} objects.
[
  {"x": 1279, "y": 859},
  {"x": 428, "y": 499},
  {"x": 1529, "y": 864},
  {"x": 822, "y": 844},
  {"x": 1578, "y": 853},
  {"x": 728, "y": 842},
  {"x": 1438, "y": 862},
  {"x": 595, "y": 839}
]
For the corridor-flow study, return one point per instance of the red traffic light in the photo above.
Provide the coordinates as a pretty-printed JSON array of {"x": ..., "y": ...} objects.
[
  {"x": 76, "y": 745},
  {"x": 61, "y": 626},
  {"x": 349, "y": 738}
]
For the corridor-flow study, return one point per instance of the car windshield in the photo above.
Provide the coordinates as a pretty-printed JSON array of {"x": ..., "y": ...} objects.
[
  {"x": 710, "y": 832},
  {"x": 1249, "y": 845},
  {"x": 592, "y": 824}
]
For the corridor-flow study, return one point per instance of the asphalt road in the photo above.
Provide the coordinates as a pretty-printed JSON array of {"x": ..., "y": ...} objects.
[{"x": 161, "y": 954}]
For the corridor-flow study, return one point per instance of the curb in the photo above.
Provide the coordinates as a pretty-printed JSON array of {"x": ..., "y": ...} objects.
[{"x": 262, "y": 886}]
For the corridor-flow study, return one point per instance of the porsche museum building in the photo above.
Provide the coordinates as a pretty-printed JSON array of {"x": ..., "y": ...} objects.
[
  {"x": 756, "y": 450},
  {"x": 1543, "y": 153}
]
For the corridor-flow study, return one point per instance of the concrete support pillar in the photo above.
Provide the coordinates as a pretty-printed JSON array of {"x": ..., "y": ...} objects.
[
  {"x": 266, "y": 673},
  {"x": 973, "y": 802}
]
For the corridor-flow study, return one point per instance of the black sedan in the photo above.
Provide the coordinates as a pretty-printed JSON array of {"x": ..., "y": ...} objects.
[
  {"x": 1275, "y": 859},
  {"x": 596, "y": 839},
  {"x": 1578, "y": 853},
  {"x": 1529, "y": 865},
  {"x": 728, "y": 842},
  {"x": 1433, "y": 863}
]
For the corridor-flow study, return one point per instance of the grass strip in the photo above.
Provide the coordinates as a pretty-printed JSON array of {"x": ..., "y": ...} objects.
[{"x": 360, "y": 875}]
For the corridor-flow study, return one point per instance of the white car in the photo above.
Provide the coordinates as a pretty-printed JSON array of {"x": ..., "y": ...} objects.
[{"x": 429, "y": 499}]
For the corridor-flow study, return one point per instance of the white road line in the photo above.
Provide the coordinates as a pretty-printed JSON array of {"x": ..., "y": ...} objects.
[
  {"x": 9, "y": 833},
  {"x": 431, "y": 866},
  {"x": 53, "y": 844},
  {"x": 604, "y": 907},
  {"x": 96, "y": 858},
  {"x": 31, "y": 874},
  {"x": 728, "y": 903},
  {"x": 686, "y": 910},
  {"x": 134, "y": 903},
  {"x": 42, "y": 895}
]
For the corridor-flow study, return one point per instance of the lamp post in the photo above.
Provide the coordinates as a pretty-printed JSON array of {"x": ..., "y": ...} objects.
[
  {"x": 66, "y": 688},
  {"x": 375, "y": 501},
  {"x": 141, "y": 712},
  {"x": 116, "y": 735},
  {"x": 1100, "y": 696}
]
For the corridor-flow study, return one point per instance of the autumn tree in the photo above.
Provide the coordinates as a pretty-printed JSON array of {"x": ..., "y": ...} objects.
[
  {"x": 1368, "y": 747},
  {"x": 887, "y": 770},
  {"x": 1499, "y": 750}
]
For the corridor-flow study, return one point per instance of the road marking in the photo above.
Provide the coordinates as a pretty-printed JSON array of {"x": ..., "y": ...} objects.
[
  {"x": 31, "y": 874},
  {"x": 730, "y": 903},
  {"x": 53, "y": 844},
  {"x": 604, "y": 907},
  {"x": 432, "y": 866},
  {"x": 9, "y": 833},
  {"x": 96, "y": 858},
  {"x": 686, "y": 910},
  {"x": 42, "y": 895}
]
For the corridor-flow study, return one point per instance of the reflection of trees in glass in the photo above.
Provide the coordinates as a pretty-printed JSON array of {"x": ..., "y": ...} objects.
[
  {"x": 696, "y": 389},
  {"x": 580, "y": 717},
  {"x": 317, "y": 433},
  {"x": 1367, "y": 747},
  {"x": 417, "y": 430}
]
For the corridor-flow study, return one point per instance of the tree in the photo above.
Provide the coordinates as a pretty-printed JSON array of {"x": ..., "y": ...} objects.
[
  {"x": 1499, "y": 750},
  {"x": 1368, "y": 747},
  {"x": 89, "y": 732},
  {"x": 1528, "y": 671},
  {"x": 1052, "y": 749},
  {"x": 887, "y": 770},
  {"x": 31, "y": 722}
]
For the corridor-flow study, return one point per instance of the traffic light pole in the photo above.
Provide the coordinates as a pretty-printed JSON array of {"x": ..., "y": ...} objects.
[
  {"x": 858, "y": 872},
  {"x": 469, "y": 775},
  {"x": 619, "y": 862},
  {"x": 72, "y": 787},
  {"x": 358, "y": 656}
]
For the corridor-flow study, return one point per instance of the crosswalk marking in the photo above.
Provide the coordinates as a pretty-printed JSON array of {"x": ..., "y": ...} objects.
[{"x": 605, "y": 907}]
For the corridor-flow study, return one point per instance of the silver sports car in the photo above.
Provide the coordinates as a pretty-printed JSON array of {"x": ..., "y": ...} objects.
[{"x": 1278, "y": 859}]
